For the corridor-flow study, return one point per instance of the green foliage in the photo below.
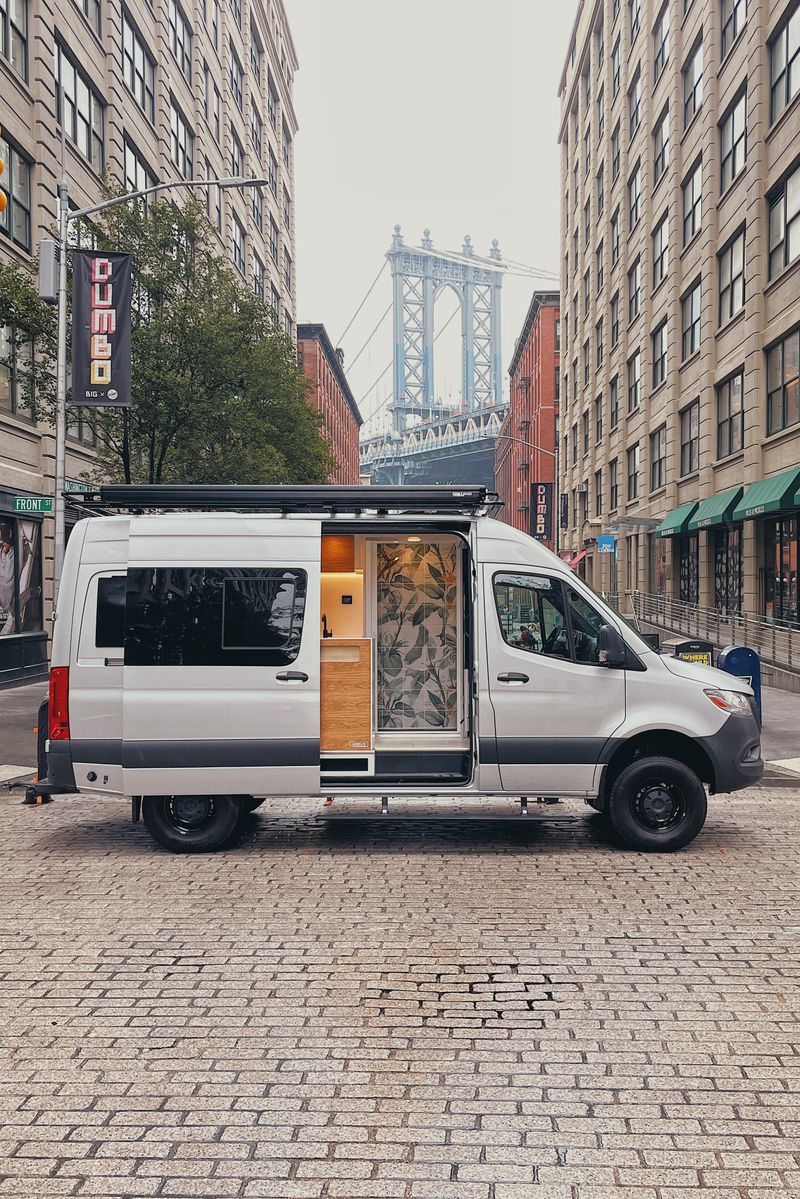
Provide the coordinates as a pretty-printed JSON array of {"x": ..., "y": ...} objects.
[
  {"x": 218, "y": 392},
  {"x": 34, "y": 322}
]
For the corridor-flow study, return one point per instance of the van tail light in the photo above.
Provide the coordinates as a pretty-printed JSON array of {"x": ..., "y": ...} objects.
[{"x": 58, "y": 704}]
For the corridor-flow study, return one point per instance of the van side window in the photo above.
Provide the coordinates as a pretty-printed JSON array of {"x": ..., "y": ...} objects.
[
  {"x": 531, "y": 613},
  {"x": 586, "y": 624},
  {"x": 197, "y": 616},
  {"x": 110, "y": 622}
]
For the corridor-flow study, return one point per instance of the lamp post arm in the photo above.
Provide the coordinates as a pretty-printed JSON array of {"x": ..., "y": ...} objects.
[
  {"x": 231, "y": 181},
  {"x": 521, "y": 441}
]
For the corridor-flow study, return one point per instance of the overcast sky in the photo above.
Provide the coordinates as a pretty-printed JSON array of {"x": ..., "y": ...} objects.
[{"x": 425, "y": 113}]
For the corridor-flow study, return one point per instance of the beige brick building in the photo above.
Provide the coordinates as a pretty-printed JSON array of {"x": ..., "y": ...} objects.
[
  {"x": 680, "y": 231},
  {"x": 150, "y": 91}
]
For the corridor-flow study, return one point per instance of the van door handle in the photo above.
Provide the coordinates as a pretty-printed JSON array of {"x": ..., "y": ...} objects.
[
  {"x": 292, "y": 676},
  {"x": 511, "y": 677}
]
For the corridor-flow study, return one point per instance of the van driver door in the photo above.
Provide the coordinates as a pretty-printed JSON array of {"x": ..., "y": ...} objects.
[
  {"x": 555, "y": 706},
  {"x": 221, "y": 657}
]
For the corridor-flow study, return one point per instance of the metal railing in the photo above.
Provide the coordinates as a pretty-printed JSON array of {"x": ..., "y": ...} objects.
[{"x": 776, "y": 642}]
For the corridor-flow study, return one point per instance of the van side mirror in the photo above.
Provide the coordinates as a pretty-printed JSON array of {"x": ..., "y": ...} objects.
[{"x": 611, "y": 648}]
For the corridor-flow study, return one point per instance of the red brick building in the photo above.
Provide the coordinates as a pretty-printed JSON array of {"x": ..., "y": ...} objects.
[
  {"x": 331, "y": 394},
  {"x": 525, "y": 477}
]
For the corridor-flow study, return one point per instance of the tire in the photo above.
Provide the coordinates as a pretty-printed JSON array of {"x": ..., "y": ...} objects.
[
  {"x": 192, "y": 823},
  {"x": 657, "y": 804},
  {"x": 250, "y": 805}
]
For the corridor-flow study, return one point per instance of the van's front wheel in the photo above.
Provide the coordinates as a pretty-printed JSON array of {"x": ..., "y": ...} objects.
[
  {"x": 192, "y": 823},
  {"x": 657, "y": 804}
]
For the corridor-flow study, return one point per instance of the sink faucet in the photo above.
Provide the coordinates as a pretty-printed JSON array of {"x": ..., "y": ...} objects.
[{"x": 325, "y": 631}]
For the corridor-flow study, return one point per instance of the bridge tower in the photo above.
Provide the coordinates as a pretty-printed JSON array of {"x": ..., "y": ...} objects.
[{"x": 418, "y": 274}]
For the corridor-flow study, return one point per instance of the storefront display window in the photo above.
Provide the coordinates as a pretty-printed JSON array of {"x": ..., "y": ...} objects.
[
  {"x": 728, "y": 569},
  {"x": 688, "y": 568},
  {"x": 780, "y": 569},
  {"x": 20, "y": 576},
  {"x": 658, "y": 565}
]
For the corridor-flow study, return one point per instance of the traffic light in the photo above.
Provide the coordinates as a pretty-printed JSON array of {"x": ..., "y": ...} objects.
[{"x": 3, "y": 197}]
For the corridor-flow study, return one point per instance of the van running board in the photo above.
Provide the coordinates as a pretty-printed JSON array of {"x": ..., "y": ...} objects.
[{"x": 540, "y": 813}]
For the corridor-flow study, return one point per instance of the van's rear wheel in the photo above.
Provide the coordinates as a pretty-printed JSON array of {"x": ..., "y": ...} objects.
[
  {"x": 657, "y": 804},
  {"x": 192, "y": 823}
]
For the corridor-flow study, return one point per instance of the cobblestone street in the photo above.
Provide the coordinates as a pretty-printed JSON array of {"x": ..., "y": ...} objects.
[{"x": 425, "y": 1011}]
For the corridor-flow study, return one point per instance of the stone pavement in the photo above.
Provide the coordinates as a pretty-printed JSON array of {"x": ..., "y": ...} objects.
[{"x": 425, "y": 1012}]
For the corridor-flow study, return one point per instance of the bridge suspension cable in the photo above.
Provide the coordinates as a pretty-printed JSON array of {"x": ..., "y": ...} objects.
[
  {"x": 370, "y": 290},
  {"x": 353, "y": 361}
]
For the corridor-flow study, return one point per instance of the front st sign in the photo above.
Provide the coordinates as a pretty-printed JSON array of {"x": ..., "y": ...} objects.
[{"x": 101, "y": 334}]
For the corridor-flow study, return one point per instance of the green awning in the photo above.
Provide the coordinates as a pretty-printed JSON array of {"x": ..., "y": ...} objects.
[
  {"x": 716, "y": 510},
  {"x": 675, "y": 522},
  {"x": 775, "y": 494}
]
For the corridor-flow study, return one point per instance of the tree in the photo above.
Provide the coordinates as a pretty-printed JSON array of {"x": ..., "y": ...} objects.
[
  {"x": 218, "y": 392},
  {"x": 32, "y": 340}
]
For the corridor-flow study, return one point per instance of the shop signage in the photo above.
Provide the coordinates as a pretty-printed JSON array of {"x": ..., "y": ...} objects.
[
  {"x": 542, "y": 511},
  {"x": 101, "y": 330},
  {"x": 27, "y": 503},
  {"x": 606, "y": 543}
]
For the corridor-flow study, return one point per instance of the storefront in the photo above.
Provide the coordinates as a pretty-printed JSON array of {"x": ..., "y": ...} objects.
[
  {"x": 23, "y": 643},
  {"x": 725, "y": 544},
  {"x": 686, "y": 553},
  {"x": 773, "y": 504}
]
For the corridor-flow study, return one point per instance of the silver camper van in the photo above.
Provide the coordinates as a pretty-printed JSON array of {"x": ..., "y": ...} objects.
[{"x": 218, "y": 646}]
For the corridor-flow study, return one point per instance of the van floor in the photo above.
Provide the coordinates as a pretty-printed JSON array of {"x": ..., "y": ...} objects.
[{"x": 409, "y": 767}]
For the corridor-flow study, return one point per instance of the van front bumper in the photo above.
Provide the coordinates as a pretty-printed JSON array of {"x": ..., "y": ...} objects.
[{"x": 735, "y": 754}]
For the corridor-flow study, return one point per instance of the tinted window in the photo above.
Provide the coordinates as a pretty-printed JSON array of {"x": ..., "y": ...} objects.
[
  {"x": 531, "y": 613},
  {"x": 225, "y": 617},
  {"x": 586, "y": 624},
  {"x": 110, "y": 626}
]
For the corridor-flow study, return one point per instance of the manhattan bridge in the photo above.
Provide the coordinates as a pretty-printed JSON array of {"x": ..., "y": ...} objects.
[{"x": 422, "y": 439}]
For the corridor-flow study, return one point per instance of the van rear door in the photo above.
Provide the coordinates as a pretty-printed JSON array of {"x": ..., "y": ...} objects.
[{"x": 221, "y": 671}]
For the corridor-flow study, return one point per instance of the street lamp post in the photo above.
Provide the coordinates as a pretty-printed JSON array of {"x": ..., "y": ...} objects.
[
  {"x": 540, "y": 449},
  {"x": 64, "y": 217}
]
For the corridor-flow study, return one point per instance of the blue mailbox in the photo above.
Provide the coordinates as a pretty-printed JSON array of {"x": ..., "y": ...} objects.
[{"x": 744, "y": 663}]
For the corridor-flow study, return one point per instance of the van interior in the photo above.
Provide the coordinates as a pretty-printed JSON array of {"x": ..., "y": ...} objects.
[{"x": 395, "y": 629}]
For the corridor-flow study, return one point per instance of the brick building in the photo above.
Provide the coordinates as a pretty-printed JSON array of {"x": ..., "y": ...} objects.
[
  {"x": 331, "y": 394},
  {"x": 525, "y": 476}
]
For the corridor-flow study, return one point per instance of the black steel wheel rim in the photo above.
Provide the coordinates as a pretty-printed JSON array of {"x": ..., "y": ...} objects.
[
  {"x": 191, "y": 813},
  {"x": 659, "y": 806}
]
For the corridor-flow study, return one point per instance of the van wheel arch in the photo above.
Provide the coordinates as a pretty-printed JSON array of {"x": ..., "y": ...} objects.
[{"x": 655, "y": 743}]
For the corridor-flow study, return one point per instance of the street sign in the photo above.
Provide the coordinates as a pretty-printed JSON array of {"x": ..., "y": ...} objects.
[
  {"x": 78, "y": 485},
  {"x": 606, "y": 544},
  {"x": 26, "y": 503}
]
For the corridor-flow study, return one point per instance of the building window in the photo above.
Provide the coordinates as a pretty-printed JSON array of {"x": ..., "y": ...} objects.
[
  {"x": 258, "y": 208},
  {"x": 784, "y": 224},
  {"x": 287, "y": 324},
  {"x": 15, "y": 184},
  {"x": 688, "y": 568},
  {"x": 14, "y": 34},
  {"x": 273, "y": 240},
  {"x": 633, "y": 472},
  {"x": 730, "y": 415},
  {"x": 784, "y": 65},
  {"x": 90, "y": 9},
  {"x": 256, "y": 54},
  {"x": 287, "y": 209},
  {"x": 615, "y": 238},
  {"x": 275, "y": 304},
  {"x": 286, "y": 145},
  {"x": 601, "y": 49},
  {"x": 635, "y": 197},
  {"x": 690, "y": 438},
  {"x": 598, "y": 493},
  {"x": 599, "y": 351},
  {"x": 734, "y": 15},
  {"x": 138, "y": 69},
  {"x": 660, "y": 250},
  {"x": 81, "y": 426},
  {"x": 272, "y": 105},
  {"x": 181, "y": 39},
  {"x": 614, "y": 402},
  {"x": 272, "y": 172},
  {"x": 634, "y": 380},
  {"x": 661, "y": 145},
  {"x": 20, "y": 574},
  {"x": 780, "y": 568},
  {"x": 616, "y": 61},
  {"x": 181, "y": 141},
  {"x": 601, "y": 198},
  {"x": 634, "y": 290},
  {"x": 16, "y": 373},
  {"x": 213, "y": 102},
  {"x": 599, "y": 262},
  {"x": 236, "y": 5},
  {"x": 79, "y": 109},
  {"x": 690, "y": 321},
  {"x": 692, "y": 202},
  {"x": 575, "y": 444},
  {"x": 693, "y": 84},
  {"x": 634, "y": 104},
  {"x": 660, "y": 355},
  {"x": 258, "y": 277},
  {"x": 636, "y": 17},
  {"x": 598, "y": 420},
  {"x": 586, "y": 433},
  {"x": 138, "y": 176},
  {"x": 587, "y": 293},
  {"x": 587, "y": 151},
  {"x": 587, "y": 223},
  {"x": 601, "y": 113},
  {"x": 661, "y": 41},
  {"x": 614, "y": 320},
  {"x": 733, "y": 141},
  {"x": 214, "y": 21},
  {"x": 287, "y": 270},
  {"x": 613, "y": 484},
  {"x": 731, "y": 278},
  {"x": 783, "y": 383},
  {"x": 728, "y": 573},
  {"x": 237, "y": 156},
  {"x": 615, "y": 158},
  {"x": 237, "y": 81},
  {"x": 658, "y": 458},
  {"x": 256, "y": 130},
  {"x": 238, "y": 245},
  {"x": 213, "y": 200},
  {"x": 586, "y": 363}
]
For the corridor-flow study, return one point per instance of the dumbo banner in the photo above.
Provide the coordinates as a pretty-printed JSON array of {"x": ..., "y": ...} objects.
[{"x": 101, "y": 329}]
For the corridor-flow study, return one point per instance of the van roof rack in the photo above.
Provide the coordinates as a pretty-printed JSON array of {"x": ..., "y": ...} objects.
[{"x": 330, "y": 498}]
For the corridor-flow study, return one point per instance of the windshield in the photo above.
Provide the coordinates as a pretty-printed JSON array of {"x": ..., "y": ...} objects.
[{"x": 638, "y": 643}]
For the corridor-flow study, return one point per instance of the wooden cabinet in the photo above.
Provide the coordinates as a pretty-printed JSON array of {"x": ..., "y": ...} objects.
[{"x": 345, "y": 695}]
